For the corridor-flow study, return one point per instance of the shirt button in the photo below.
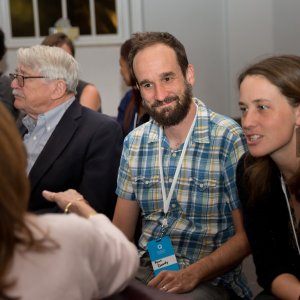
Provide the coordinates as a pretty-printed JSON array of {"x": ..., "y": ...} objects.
[
  {"x": 174, "y": 154},
  {"x": 48, "y": 128},
  {"x": 173, "y": 205},
  {"x": 147, "y": 181},
  {"x": 170, "y": 179},
  {"x": 34, "y": 138}
]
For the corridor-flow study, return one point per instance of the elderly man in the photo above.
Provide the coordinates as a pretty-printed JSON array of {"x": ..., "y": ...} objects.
[
  {"x": 68, "y": 146},
  {"x": 179, "y": 168}
]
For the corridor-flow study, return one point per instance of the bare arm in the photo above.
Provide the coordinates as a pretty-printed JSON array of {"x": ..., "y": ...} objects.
[
  {"x": 126, "y": 216},
  {"x": 90, "y": 97},
  {"x": 221, "y": 260},
  {"x": 71, "y": 201},
  {"x": 286, "y": 286},
  {"x": 228, "y": 255}
]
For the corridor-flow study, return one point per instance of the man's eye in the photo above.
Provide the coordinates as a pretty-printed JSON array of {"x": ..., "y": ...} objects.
[
  {"x": 243, "y": 109},
  {"x": 167, "y": 79},
  {"x": 146, "y": 85}
]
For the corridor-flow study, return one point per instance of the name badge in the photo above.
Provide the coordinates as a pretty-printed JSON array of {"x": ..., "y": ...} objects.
[{"x": 162, "y": 255}]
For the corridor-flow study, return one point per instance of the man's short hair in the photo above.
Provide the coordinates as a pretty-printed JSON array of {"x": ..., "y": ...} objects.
[
  {"x": 51, "y": 62},
  {"x": 142, "y": 40}
]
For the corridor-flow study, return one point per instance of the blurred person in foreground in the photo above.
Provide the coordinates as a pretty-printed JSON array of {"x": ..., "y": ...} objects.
[
  {"x": 68, "y": 145},
  {"x": 54, "y": 256},
  {"x": 268, "y": 176},
  {"x": 86, "y": 93}
]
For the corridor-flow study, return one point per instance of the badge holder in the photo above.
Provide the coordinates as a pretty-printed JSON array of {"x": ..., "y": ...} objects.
[{"x": 161, "y": 252}]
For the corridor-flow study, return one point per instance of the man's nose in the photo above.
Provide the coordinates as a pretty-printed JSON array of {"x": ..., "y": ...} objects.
[
  {"x": 160, "y": 92},
  {"x": 14, "y": 83}
]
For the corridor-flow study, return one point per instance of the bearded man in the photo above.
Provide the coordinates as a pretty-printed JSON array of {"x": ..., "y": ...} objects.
[{"x": 179, "y": 170}]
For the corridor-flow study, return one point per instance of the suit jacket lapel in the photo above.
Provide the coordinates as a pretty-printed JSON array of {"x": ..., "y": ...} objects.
[{"x": 60, "y": 137}]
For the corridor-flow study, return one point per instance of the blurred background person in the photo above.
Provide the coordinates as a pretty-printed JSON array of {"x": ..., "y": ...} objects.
[
  {"x": 87, "y": 93},
  {"x": 130, "y": 111},
  {"x": 6, "y": 96},
  {"x": 268, "y": 176},
  {"x": 54, "y": 256}
]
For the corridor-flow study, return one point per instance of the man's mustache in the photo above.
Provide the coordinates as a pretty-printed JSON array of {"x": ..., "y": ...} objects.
[
  {"x": 16, "y": 93},
  {"x": 167, "y": 100}
]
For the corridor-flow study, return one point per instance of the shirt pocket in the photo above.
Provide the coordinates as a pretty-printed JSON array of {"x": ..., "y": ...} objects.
[
  {"x": 202, "y": 197},
  {"x": 148, "y": 193}
]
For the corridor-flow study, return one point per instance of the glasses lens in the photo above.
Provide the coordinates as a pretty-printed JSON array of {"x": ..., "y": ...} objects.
[{"x": 20, "y": 79}]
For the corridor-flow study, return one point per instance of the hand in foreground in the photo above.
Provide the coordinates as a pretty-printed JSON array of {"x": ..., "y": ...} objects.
[
  {"x": 70, "y": 201},
  {"x": 182, "y": 281}
]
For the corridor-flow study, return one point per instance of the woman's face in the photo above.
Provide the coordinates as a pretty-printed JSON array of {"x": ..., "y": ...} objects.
[
  {"x": 268, "y": 120},
  {"x": 66, "y": 48},
  {"x": 124, "y": 70}
]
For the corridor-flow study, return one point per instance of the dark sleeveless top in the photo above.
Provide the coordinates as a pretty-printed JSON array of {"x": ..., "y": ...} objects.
[
  {"x": 80, "y": 87},
  {"x": 6, "y": 96}
]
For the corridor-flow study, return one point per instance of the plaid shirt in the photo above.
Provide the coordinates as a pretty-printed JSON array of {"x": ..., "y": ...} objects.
[{"x": 199, "y": 217}]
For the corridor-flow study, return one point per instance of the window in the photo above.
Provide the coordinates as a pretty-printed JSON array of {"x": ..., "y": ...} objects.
[{"x": 27, "y": 22}]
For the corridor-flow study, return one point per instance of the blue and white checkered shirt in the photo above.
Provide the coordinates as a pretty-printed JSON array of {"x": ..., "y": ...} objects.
[{"x": 200, "y": 213}]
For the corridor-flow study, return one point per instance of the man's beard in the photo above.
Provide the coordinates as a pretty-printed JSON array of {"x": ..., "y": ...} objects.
[{"x": 171, "y": 115}]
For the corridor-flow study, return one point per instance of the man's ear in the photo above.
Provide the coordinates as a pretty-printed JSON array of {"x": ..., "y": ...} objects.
[
  {"x": 59, "y": 89},
  {"x": 190, "y": 75}
]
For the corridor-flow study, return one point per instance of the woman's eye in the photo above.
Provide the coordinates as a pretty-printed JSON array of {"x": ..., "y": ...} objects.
[{"x": 263, "y": 107}]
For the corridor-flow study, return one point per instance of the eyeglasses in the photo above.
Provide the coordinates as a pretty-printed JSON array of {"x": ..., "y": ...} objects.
[{"x": 21, "y": 79}]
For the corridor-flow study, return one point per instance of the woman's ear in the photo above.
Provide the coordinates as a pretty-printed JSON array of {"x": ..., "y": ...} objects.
[{"x": 298, "y": 115}]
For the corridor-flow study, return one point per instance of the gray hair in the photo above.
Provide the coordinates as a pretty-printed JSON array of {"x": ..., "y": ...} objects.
[{"x": 51, "y": 62}]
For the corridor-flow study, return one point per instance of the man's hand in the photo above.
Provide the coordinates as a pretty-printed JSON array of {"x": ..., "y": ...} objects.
[{"x": 182, "y": 281}]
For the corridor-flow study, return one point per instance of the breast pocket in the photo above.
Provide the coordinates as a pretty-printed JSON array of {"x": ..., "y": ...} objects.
[
  {"x": 148, "y": 193},
  {"x": 202, "y": 195}
]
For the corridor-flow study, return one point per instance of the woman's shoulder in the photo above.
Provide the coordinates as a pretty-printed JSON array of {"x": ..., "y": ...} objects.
[{"x": 59, "y": 225}]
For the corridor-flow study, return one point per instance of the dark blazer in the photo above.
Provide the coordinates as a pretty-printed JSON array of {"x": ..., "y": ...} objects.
[{"x": 82, "y": 153}]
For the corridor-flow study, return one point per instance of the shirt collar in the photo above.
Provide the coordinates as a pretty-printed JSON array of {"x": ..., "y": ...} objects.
[{"x": 48, "y": 119}]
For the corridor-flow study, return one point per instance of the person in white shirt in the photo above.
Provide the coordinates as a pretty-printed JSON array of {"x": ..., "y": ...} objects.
[{"x": 54, "y": 256}]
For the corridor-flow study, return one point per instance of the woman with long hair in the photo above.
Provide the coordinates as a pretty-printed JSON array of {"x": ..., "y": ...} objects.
[
  {"x": 54, "y": 256},
  {"x": 268, "y": 176},
  {"x": 130, "y": 111}
]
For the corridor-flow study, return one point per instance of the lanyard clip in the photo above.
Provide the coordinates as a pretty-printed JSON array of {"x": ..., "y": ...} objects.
[{"x": 163, "y": 228}]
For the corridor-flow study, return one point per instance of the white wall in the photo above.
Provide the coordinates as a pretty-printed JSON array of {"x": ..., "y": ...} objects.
[
  {"x": 199, "y": 25},
  {"x": 220, "y": 36}
]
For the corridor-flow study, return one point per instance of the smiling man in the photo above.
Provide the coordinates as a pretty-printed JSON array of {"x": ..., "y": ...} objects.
[
  {"x": 179, "y": 170},
  {"x": 68, "y": 146}
]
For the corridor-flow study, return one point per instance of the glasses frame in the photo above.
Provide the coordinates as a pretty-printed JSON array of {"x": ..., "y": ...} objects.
[{"x": 21, "y": 78}]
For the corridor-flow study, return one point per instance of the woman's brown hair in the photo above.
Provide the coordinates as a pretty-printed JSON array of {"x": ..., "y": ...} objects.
[
  {"x": 57, "y": 40},
  {"x": 14, "y": 196},
  {"x": 283, "y": 72},
  {"x": 135, "y": 99}
]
